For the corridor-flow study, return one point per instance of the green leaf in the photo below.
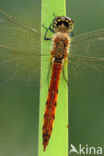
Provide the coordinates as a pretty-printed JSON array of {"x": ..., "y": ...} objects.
[{"x": 58, "y": 143}]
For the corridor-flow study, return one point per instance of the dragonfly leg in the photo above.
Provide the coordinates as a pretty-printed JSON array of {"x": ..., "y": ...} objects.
[
  {"x": 49, "y": 70},
  {"x": 65, "y": 76},
  {"x": 54, "y": 15},
  {"x": 44, "y": 27},
  {"x": 71, "y": 34},
  {"x": 51, "y": 28},
  {"x": 45, "y": 35}
]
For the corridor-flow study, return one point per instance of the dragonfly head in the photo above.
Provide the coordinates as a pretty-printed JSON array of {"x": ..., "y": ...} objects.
[{"x": 63, "y": 23}]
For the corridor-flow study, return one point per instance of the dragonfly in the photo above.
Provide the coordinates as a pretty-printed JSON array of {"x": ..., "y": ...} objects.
[{"x": 20, "y": 57}]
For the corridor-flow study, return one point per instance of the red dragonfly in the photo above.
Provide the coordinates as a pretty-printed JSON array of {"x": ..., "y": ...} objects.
[{"x": 20, "y": 58}]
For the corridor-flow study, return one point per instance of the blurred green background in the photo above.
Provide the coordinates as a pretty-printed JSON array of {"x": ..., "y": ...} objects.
[
  {"x": 86, "y": 110},
  {"x": 19, "y": 106}
]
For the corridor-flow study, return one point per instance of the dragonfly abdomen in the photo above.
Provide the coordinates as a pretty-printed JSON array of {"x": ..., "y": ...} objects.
[
  {"x": 51, "y": 103},
  {"x": 59, "y": 54}
]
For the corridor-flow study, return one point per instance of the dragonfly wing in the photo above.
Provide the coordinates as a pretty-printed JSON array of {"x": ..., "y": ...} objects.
[
  {"x": 86, "y": 74},
  {"x": 20, "y": 67},
  {"x": 20, "y": 52},
  {"x": 15, "y": 34},
  {"x": 86, "y": 62},
  {"x": 88, "y": 44}
]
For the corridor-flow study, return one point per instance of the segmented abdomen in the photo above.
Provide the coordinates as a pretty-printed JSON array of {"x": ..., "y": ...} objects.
[{"x": 51, "y": 103}]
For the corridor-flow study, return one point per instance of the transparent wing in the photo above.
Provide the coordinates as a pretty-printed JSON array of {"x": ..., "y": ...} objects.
[
  {"x": 23, "y": 66},
  {"x": 86, "y": 74},
  {"x": 19, "y": 52},
  {"x": 15, "y": 34},
  {"x": 88, "y": 44},
  {"x": 86, "y": 62},
  {"x": 20, "y": 67}
]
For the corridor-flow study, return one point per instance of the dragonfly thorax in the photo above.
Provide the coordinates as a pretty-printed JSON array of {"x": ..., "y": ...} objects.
[{"x": 60, "y": 45}]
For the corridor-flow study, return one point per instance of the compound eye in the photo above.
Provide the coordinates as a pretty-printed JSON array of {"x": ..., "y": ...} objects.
[
  {"x": 56, "y": 21},
  {"x": 70, "y": 23},
  {"x": 68, "y": 18}
]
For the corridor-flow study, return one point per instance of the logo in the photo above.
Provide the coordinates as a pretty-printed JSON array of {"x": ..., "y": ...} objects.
[{"x": 86, "y": 149}]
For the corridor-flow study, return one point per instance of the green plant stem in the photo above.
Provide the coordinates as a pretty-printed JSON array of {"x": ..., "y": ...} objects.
[{"x": 58, "y": 143}]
